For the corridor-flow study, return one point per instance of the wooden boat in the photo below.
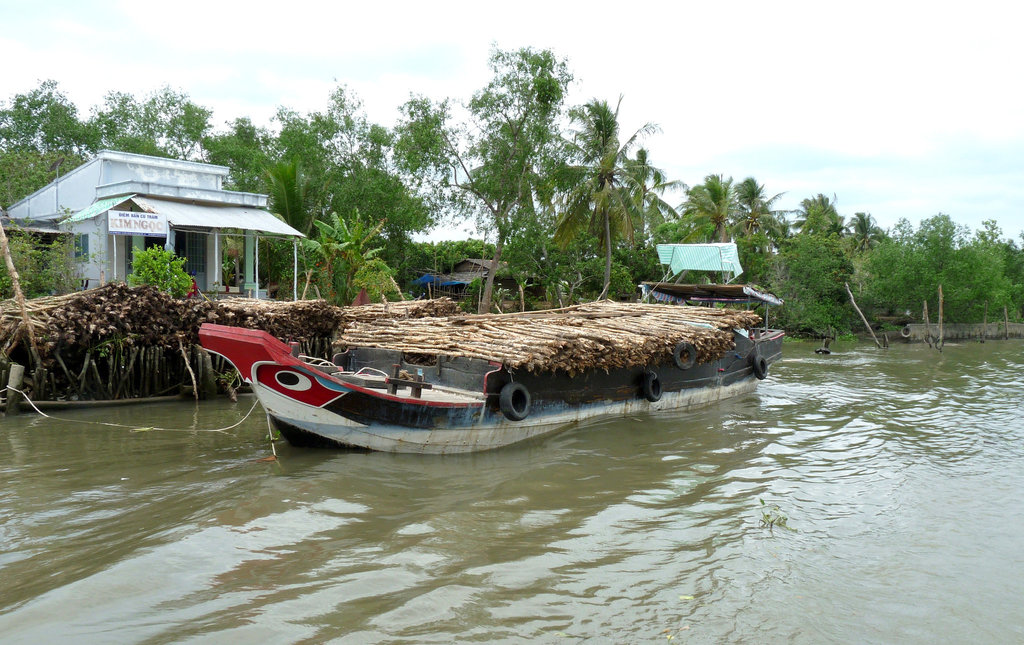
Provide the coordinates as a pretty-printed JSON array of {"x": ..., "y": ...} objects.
[{"x": 474, "y": 383}]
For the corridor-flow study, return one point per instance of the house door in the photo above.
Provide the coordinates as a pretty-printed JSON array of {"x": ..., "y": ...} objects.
[{"x": 192, "y": 246}]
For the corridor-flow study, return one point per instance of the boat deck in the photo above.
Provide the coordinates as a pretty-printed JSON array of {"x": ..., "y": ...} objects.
[{"x": 405, "y": 389}]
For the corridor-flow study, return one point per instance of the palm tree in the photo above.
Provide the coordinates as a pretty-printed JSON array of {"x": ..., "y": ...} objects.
[
  {"x": 713, "y": 203},
  {"x": 756, "y": 208},
  {"x": 865, "y": 233},
  {"x": 289, "y": 194},
  {"x": 600, "y": 183},
  {"x": 648, "y": 185},
  {"x": 818, "y": 214}
]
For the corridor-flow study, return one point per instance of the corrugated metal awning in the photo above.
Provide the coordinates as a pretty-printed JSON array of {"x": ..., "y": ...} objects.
[
  {"x": 205, "y": 216},
  {"x": 216, "y": 217},
  {"x": 701, "y": 257}
]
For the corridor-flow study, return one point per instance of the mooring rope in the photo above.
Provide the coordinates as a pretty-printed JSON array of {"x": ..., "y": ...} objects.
[{"x": 136, "y": 428}]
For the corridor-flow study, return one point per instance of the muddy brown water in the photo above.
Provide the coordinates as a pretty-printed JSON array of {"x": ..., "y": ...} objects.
[{"x": 899, "y": 475}]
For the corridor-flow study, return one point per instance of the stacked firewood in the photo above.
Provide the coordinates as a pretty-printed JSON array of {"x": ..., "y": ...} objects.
[
  {"x": 144, "y": 316},
  {"x": 602, "y": 335}
]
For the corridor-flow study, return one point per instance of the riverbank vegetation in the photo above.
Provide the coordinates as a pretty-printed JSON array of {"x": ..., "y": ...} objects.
[{"x": 568, "y": 204}]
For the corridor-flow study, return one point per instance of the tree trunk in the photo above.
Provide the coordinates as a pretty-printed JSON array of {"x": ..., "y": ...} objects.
[
  {"x": 854, "y": 303},
  {"x": 927, "y": 325},
  {"x": 485, "y": 301},
  {"x": 607, "y": 258},
  {"x": 942, "y": 335},
  {"x": 19, "y": 297}
]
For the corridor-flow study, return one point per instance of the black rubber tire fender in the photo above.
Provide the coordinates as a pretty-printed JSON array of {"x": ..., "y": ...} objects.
[
  {"x": 514, "y": 401},
  {"x": 905, "y": 332},
  {"x": 650, "y": 386},
  {"x": 684, "y": 355},
  {"x": 760, "y": 366}
]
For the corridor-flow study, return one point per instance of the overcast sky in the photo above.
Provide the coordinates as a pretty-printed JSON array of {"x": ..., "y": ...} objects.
[{"x": 899, "y": 109}]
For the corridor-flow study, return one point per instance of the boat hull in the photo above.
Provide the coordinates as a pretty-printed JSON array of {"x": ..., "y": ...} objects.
[{"x": 312, "y": 409}]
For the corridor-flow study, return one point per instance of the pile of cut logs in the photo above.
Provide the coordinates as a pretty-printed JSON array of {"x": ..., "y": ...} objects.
[
  {"x": 601, "y": 335},
  {"x": 117, "y": 341}
]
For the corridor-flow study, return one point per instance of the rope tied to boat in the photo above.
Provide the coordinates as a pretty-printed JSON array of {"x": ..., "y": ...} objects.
[{"x": 131, "y": 428}]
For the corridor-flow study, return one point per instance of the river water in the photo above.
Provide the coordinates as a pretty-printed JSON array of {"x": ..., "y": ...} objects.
[{"x": 894, "y": 480}]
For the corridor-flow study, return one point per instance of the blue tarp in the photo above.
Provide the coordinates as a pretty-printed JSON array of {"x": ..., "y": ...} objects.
[{"x": 437, "y": 281}]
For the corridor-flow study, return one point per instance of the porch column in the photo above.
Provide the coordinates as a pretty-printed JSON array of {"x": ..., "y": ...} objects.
[{"x": 250, "y": 284}]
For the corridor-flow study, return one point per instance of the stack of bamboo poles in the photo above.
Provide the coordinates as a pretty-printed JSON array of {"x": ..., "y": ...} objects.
[{"x": 602, "y": 335}]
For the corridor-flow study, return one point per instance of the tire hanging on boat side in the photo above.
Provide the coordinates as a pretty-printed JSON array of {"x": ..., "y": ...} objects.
[
  {"x": 514, "y": 401},
  {"x": 760, "y": 366},
  {"x": 650, "y": 386}
]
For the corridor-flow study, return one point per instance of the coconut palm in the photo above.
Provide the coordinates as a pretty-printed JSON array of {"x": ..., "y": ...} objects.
[
  {"x": 864, "y": 232},
  {"x": 756, "y": 208},
  {"x": 713, "y": 203},
  {"x": 818, "y": 214},
  {"x": 599, "y": 181},
  {"x": 289, "y": 193},
  {"x": 648, "y": 185}
]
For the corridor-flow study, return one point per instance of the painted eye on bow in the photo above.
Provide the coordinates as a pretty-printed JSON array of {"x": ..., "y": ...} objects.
[{"x": 293, "y": 381}]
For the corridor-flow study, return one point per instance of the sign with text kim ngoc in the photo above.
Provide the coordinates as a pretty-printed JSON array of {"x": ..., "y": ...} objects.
[{"x": 131, "y": 223}]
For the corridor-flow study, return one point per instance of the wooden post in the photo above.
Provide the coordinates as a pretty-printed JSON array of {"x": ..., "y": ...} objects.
[
  {"x": 984, "y": 323},
  {"x": 942, "y": 336},
  {"x": 1006, "y": 324},
  {"x": 854, "y": 303},
  {"x": 14, "y": 383},
  {"x": 927, "y": 326}
]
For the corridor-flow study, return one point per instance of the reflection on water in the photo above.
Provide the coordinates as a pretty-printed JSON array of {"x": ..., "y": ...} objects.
[{"x": 899, "y": 472}]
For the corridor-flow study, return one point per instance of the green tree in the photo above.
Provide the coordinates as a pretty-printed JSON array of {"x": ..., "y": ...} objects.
[
  {"x": 810, "y": 272},
  {"x": 490, "y": 164},
  {"x": 247, "y": 150},
  {"x": 907, "y": 269},
  {"x": 44, "y": 268},
  {"x": 600, "y": 196},
  {"x": 648, "y": 184},
  {"x": 757, "y": 212},
  {"x": 45, "y": 121},
  {"x": 713, "y": 203},
  {"x": 818, "y": 214},
  {"x": 289, "y": 195},
  {"x": 864, "y": 232},
  {"x": 41, "y": 136},
  {"x": 341, "y": 249},
  {"x": 349, "y": 164},
  {"x": 164, "y": 124}
]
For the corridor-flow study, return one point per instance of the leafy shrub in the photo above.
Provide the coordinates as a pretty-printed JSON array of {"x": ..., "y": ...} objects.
[
  {"x": 162, "y": 269},
  {"x": 44, "y": 268}
]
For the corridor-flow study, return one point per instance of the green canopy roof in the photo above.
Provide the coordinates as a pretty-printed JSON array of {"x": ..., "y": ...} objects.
[
  {"x": 701, "y": 257},
  {"x": 97, "y": 208}
]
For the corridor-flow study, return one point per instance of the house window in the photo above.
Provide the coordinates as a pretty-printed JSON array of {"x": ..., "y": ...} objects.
[{"x": 82, "y": 246}]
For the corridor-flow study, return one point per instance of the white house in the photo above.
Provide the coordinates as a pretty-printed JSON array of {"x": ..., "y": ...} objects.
[{"x": 120, "y": 202}]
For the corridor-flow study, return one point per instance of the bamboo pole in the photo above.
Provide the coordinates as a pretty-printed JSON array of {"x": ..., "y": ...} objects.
[{"x": 854, "y": 303}]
